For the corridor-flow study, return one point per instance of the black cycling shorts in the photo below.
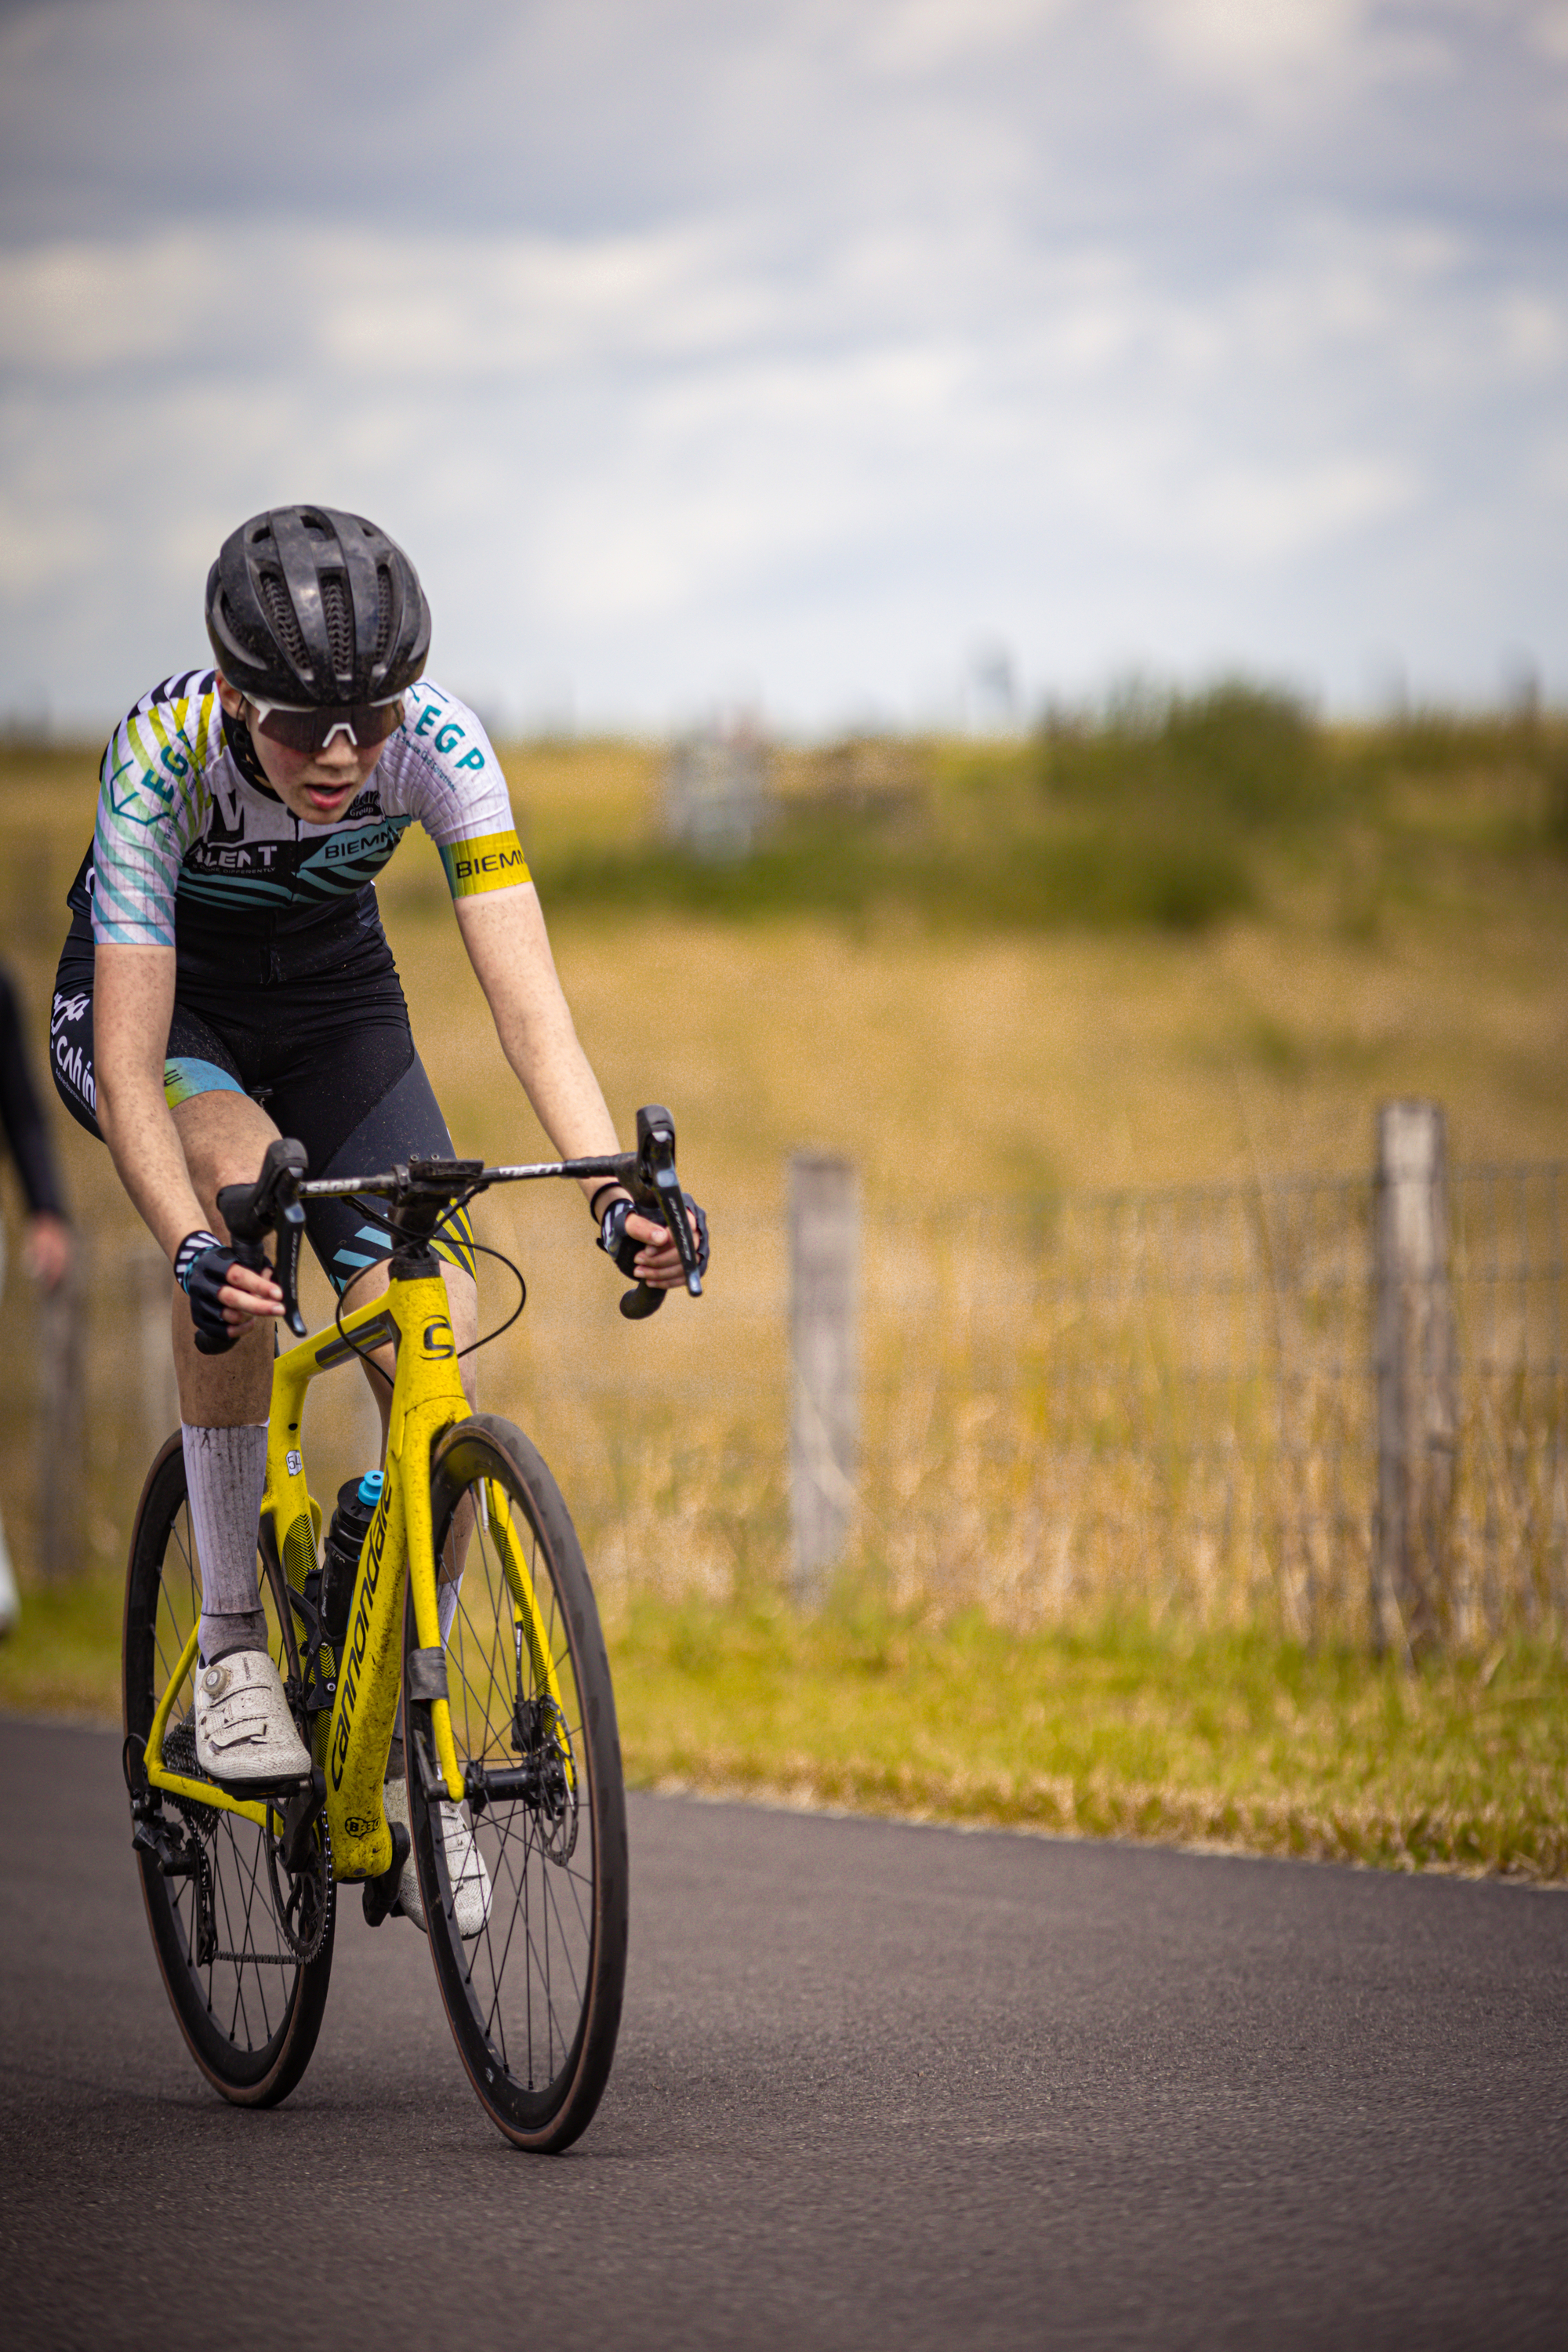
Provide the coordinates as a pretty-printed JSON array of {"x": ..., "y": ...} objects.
[{"x": 329, "y": 1057}]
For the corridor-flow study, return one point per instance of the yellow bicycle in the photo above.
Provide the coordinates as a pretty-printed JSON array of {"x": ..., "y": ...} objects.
[{"x": 512, "y": 1717}]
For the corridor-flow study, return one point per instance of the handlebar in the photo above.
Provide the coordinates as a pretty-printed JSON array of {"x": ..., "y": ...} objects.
[{"x": 420, "y": 1190}]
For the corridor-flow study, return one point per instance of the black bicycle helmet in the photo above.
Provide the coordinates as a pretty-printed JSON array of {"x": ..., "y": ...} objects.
[{"x": 310, "y": 607}]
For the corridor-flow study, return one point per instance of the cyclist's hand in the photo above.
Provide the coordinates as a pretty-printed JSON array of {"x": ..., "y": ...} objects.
[
  {"x": 49, "y": 1248},
  {"x": 643, "y": 1247},
  {"x": 225, "y": 1292}
]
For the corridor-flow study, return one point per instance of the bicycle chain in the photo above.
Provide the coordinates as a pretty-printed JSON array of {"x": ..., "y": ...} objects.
[{"x": 302, "y": 1950}]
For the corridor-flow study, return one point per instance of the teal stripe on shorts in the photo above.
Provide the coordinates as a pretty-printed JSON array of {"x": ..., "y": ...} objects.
[{"x": 185, "y": 1076}]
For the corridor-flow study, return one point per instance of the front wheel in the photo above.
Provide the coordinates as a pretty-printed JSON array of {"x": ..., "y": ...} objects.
[{"x": 531, "y": 1970}]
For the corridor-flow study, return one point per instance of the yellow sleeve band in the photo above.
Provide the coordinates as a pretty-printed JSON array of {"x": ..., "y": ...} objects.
[{"x": 494, "y": 862}]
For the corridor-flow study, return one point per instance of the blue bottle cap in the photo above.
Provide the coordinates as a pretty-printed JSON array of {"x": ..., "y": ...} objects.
[{"x": 371, "y": 1485}]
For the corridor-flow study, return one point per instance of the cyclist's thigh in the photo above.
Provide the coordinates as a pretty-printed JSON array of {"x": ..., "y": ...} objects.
[
  {"x": 351, "y": 1237},
  {"x": 197, "y": 1059}
]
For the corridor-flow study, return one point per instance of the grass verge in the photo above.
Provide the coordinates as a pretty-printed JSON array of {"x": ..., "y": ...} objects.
[
  {"x": 1231, "y": 1739},
  {"x": 1236, "y": 1741},
  {"x": 62, "y": 1657}
]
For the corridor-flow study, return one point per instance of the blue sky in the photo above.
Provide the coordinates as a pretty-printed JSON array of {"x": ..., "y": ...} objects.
[{"x": 797, "y": 354}]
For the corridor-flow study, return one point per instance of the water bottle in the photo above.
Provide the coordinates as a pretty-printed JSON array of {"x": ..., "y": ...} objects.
[{"x": 357, "y": 1499}]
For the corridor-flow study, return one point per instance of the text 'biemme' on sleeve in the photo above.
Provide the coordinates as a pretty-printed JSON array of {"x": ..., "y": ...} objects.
[{"x": 494, "y": 862}]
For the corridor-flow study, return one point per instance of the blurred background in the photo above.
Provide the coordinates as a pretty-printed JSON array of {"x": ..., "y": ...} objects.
[{"x": 1014, "y": 553}]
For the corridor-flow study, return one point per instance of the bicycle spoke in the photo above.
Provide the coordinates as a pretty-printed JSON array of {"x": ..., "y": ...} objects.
[
  {"x": 534, "y": 1996},
  {"x": 252, "y": 2031}
]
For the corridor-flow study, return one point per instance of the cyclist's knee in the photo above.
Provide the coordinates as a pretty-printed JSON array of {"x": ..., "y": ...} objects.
[{"x": 224, "y": 1136}]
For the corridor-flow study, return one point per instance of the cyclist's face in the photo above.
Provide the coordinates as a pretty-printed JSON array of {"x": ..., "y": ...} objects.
[{"x": 315, "y": 785}]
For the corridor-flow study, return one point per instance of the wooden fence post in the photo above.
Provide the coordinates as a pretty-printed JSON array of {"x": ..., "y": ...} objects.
[
  {"x": 62, "y": 1423},
  {"x": 1418, "y": 1378},
  {"x": 824, "y": 1422}
]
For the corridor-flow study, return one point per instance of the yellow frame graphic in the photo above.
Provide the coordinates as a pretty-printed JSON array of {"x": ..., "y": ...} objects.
[{"x": 352, "y": 1742}]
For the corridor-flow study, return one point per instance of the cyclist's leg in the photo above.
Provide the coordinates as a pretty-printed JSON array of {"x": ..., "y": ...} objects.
[
  {"x": 224, "y": 1405},
  {"x": 223, "y": 1400},
  {"x": 350, "y": 1237},
  {"x": 355, "y": 1247},
  {"x": 243, "y": 1729}
]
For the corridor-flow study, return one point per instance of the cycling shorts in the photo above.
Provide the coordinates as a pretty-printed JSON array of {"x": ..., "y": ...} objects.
[{"x": 329, "y": 1056}]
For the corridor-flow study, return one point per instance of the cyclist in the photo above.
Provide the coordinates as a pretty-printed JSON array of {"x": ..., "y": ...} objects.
[
  {"x": 47, "y": 1251},
  {"x": 226, "y": 979}
]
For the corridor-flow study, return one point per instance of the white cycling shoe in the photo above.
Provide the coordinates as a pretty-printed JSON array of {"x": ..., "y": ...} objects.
[
  {"x": 244, "y": 1730},
  {"x": 470, "y": 1881}
]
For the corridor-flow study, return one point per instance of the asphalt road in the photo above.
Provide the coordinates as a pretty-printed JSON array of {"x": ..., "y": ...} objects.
[{"x": 877, "y": 2086}]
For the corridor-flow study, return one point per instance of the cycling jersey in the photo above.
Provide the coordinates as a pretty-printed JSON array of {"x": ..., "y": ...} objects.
[
  {"x": 285, "y": 986},
  {"x": 193, "y": 850}
]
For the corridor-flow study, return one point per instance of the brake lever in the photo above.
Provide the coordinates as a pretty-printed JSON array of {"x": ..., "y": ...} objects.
[
  {"x": 271, "y": 1206},
  {"x": 657, "y": 1186},
  {"x": 291, "y": 1233}
]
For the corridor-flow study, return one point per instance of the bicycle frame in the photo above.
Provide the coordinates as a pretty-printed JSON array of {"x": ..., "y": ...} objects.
[
  {"x": 353, "y": 1743},
  {"x": 427, "y": 1398}
]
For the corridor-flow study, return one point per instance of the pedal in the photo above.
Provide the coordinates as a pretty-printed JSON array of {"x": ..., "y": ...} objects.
[
  {"x": 283, "y": 1792},
  {"x": 381, "y": 1894}
]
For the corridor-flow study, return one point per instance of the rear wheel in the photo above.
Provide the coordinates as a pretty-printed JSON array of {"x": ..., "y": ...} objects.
[
  {"x": 244, "y": 1944},
  {"x": 534, "y": 1996}
]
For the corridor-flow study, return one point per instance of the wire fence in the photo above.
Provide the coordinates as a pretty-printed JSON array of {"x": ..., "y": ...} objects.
[
  {"x": 1157, "y": 1400},
  {"x": 1167, "y": 1400}
]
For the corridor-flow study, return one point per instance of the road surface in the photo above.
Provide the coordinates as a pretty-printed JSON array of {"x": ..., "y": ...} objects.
[{"x": 877, "y": 2086}]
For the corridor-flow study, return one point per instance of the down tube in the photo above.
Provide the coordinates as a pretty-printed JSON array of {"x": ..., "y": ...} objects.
[{"x": 366, "y": 1707}]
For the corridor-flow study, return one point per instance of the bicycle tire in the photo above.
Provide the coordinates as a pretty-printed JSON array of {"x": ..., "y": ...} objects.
[
  {"x": 251, "y": 2013},
  {"x": 534, "y": 1998}
]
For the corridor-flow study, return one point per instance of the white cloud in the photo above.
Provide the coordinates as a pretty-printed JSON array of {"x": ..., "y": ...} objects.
[
  {"x": 921, "y": 37},
  {"x": 1548, "y": 31},
  {"x": 806, "y": 344},
  {"x": 1245, "y": 42}
]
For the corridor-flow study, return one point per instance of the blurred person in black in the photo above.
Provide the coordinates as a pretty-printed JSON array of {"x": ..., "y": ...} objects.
[{"x": 47, "y": 1250}]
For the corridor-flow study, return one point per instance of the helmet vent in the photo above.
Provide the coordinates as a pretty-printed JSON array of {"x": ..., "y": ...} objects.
[
  {"x": 339, "y": 614},
  {"x": 383, "y": 610},
  {"x": 281, "y": 614}
]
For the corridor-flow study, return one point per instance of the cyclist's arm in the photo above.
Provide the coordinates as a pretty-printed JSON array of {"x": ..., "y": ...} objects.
[
  {"x": 132, "y": 1002},
  {"x": 504, "y": 933}
]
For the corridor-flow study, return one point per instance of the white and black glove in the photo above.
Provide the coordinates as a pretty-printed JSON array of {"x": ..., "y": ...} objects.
[
  {"x": 625, "y": 1248},
  {"x": 201, "y": 1266}
]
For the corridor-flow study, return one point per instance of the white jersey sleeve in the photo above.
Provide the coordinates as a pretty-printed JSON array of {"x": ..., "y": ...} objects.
[
  {"x": 440, "y": 768},
  {"x": 152, "y": 803}
]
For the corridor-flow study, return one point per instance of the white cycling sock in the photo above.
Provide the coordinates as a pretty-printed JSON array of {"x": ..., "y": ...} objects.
[{"x": 225, "y": 1471}]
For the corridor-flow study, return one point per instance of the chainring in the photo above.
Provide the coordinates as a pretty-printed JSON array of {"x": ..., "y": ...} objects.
[{"x": 303, "y": 1899}]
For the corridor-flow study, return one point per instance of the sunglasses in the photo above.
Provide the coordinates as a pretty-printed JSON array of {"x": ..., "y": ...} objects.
[{"x": 311, "y": 730}]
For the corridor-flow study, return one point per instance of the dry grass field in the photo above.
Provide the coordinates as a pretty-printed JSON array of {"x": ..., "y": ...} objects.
[{"x": 881, "y": 981}]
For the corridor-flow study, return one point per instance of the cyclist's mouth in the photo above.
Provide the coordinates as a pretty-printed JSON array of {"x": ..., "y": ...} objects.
[{"x": 330, "y": 798}]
